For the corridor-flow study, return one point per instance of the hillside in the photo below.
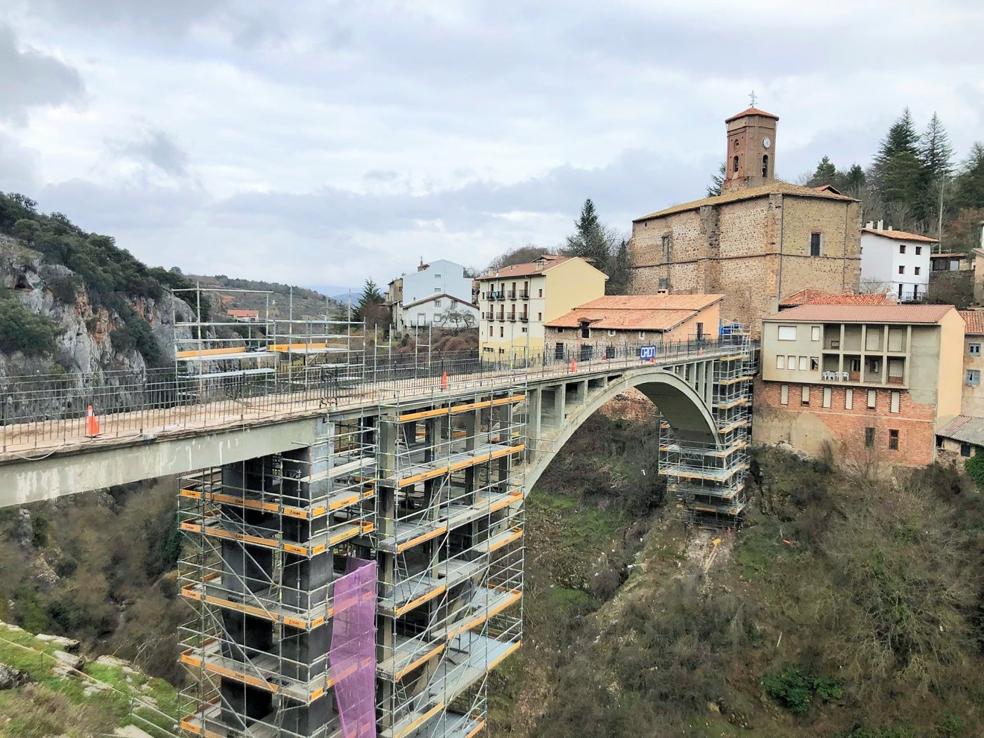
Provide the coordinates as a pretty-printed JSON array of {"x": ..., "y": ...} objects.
[
  {"x": 843, "y": 609},
  {"x": 306, "y": 303},
  {"x": 47, "y": 689}
]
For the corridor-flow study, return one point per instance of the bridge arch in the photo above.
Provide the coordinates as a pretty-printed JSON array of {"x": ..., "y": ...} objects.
[{"x": 682, "y": 406}]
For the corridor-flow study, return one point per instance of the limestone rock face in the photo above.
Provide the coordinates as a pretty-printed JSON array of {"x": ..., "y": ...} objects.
[
  {"x": 84, "y": 341},
  {"x": 11, "y": 678}
]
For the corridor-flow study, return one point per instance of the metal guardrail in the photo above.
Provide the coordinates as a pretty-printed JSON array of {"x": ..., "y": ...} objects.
[{"x": 48, "y": 411}]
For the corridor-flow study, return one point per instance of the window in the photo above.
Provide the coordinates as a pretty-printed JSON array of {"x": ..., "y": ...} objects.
[
  {"x": 848, "y": 399},
  {"x": 539, "y": 316},
  {"x": 973, "y": 377},
  {"x": 437, "y": 276},
  {"x": 901, "y": 268},
  {"x": 918, "y": 250},
  {"x": 815, "y": 333},
  {"x": 827, "y": 394},
  {"x": 437, "y": 302},
  {"x": 815, "y": 244},
  {"x": 734, "y": 165},
  {"x": 901, "y": 248},
  {"x": 974, "y": 349},
  {"x": 560, "y": 330},
  {"x": 780, "y": 361},
  {"x": 869, "y": 437},
  {"x": 787, "y": 333},
  {"x": 765, "y": 165},
  {"x": 802, "y": 363},
  {"x": 855, "y": 365},
  {"x": 609, "y": 352},
  {"x": 965, "y": 450},
  {"x": 585, "y": 331},
  {"x": 916, "y": 269},
  {"x": 541, "y": 292},
  {"x": 896, "y": 402},
  {"x": 664, "y": 283},
  {"x": 558, "y": 350},
  {"x": 872, "y": 399},
  {"x": 805, "y": 395},
  {"x": 790, "y": 362},
  {"x": 893, "y": 439},
  {"x": 502, "y": 332},
  {"x": 814, "y": 364},
  {"x": 784, "y": 394}
]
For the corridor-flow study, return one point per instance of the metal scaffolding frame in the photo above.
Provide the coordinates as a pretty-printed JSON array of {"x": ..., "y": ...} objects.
[{"x": 709, "y": 478}]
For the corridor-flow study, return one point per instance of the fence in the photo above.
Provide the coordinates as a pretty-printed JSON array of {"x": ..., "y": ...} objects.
[{"x": 49, "y": 410}]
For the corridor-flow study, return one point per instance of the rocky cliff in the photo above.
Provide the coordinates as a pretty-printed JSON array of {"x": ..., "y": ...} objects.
[{"x": 87, "y": 338}]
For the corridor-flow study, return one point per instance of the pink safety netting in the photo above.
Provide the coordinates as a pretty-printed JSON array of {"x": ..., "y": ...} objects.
[{"x": 352, "y": 656}]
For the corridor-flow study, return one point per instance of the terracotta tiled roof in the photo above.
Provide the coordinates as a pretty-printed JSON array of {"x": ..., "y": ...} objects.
[
  {"x": 242, "y": 313},
  {"x": 749, "y": 193},
  {"x": 545, "y": 262},
  {"x": 819, "y": 297},
  {"x": 864, "y": 313},
  {"x": 636, "y": 312},
  {"x": 751, "y": 111},
  {"x": 900, "y": 235},
  {"x": 973, "y": 322}
]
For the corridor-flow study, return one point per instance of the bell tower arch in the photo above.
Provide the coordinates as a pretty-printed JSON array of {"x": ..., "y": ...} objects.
[{"x": 751, "y": 159}]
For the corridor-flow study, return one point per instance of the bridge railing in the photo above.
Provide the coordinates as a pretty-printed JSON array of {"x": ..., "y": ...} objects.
[{"x": 46, "y": 410}]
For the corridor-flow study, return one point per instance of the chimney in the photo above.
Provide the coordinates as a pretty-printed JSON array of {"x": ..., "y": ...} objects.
[
  {"x": 889, "y": 228},
  {"x": 881, "y": 224},
  {"x": 870, "y": 224}
]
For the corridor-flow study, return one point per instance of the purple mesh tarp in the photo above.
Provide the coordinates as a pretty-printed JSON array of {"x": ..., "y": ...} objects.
[{"x": 352, "y": 657}]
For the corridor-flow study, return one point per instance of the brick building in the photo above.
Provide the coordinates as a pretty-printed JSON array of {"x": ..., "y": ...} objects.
[
  {"x": 869, "y": 382},
  {"x": 619, "y": 324},
  {"x": 757, "y": 242}
]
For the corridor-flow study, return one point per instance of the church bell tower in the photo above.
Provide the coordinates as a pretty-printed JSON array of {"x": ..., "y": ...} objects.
[{"x": 751, "y": 149}]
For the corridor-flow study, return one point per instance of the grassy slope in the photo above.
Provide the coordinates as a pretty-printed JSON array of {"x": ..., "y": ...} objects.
[
  {"x": 57, "y": 704},
  {"x": 845, "y": 607}
]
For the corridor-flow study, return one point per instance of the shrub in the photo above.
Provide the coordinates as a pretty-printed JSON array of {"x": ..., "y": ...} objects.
[
  {"x": 796, "y": 690},
  {"x": 64, "y": 288},
  {"x": 975, "y": 469},
  {"x": 22, "y": 330}
]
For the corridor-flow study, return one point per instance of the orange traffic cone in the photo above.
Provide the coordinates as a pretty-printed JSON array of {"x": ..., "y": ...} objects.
[
  {"x": 91, "y": 423},
  {"x": 573, "y": 367},
  {"x": 444, "y": 380}
]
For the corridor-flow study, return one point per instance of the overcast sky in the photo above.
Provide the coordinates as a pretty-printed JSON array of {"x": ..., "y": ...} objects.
[{"x": 322, "y": 142}]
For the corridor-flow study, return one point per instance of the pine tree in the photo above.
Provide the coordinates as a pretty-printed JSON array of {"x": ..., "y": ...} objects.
[
  {"x": 589, "y": 241},
  {"x": 825, "y": 174},
  {"x": 369, "y": 304},
  {"x": 852, "y": 181},
  {"x": 717, "y": 182},
  {"x": 898, "y": 173},
  {"x": 619, "y": 274},
  {"x": 935, "y": 149},
  {"x": 970, "y": 180}
]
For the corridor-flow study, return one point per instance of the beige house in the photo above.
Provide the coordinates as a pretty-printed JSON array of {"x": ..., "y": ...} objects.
[
  {"x": 870, "y": 382},
  {"x": 963, "y": 435},
  {"x": 619, "y": 325},
  {"x": 517, "y": 301},
  {"x": 758, "y": 242}
]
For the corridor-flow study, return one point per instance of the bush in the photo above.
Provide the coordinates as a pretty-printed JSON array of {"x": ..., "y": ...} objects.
[
  {"x": 975, "y": 469},
  {"x": 64, "y": 288},
  {"x": 21, "y": 330},
  {"x": 796, "y": 690}
]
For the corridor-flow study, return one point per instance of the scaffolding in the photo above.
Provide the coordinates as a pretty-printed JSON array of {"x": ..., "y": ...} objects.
[
  {"x": 709, "y": 477},
  {"x": 429, "y": 494}
]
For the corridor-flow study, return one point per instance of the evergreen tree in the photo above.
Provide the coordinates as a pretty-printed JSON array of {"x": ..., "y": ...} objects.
[
  {"x": 590, "y": 240},
  {"x": 371, "y": 305},
  {"x": 970, "y": 180},
  {"x": 852, "y": 182},
  {"x": 717, "y": 182},
  {"x": 935, "y": 150},
  {"x": 619, "y": 273},
  {"x": 825, "y": 174},
  {"x": 898, "y": 173}
]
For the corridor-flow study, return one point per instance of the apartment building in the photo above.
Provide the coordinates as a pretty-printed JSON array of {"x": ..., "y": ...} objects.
[
  {"x": 894, "y": 262},
  {"x": 869, "y": 382},
  {"x": 619, "y": 325},
  {"x": 964, "y": 434},
  {"x": 410, "y": 297},
  {"x": 518, "y": 300}
]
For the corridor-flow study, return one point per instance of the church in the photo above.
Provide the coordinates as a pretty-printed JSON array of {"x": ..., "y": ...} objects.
[{"x": 757, "y": 242}]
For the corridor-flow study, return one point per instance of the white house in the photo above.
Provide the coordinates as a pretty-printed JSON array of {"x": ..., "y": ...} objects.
[
  {"x": 895, "y": 262},
  {"x": 440, "y": 277},
  {"x": 440, "y": 310}
]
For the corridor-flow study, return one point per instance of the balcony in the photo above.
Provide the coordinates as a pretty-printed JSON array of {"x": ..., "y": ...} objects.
[
  {"x": 524, "y": 295},
  {"x": 524, "y": 318},
  {"x": 512, "y": 295},
  {"x": 512, "y": 317},
  {"x": 502, "y": 316},
  {"x": 497, "y": 295}
]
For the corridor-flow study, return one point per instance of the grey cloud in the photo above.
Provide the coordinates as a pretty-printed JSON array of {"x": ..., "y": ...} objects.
[
  {"x": 155, "y": 147},
  {"x": 18, "y": 167},
  {"x": 29, "y": 79},
  {"x": 171, "y": 17},
  {"x": 123, "y": 206}
]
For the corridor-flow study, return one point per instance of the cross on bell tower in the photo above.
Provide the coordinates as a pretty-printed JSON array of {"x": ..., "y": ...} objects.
[{"x": 751, "y": 148}]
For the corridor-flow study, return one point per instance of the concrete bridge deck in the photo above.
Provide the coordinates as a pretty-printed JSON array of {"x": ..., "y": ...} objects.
[{"x": 50, "y": 457}]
